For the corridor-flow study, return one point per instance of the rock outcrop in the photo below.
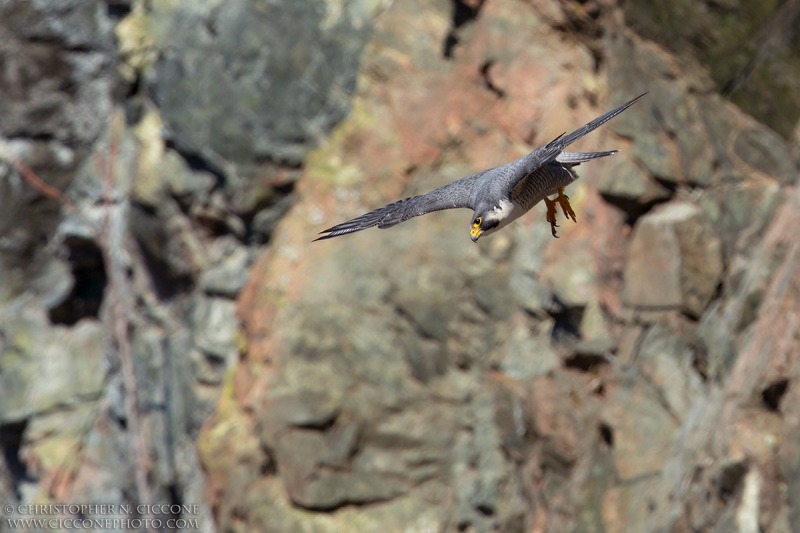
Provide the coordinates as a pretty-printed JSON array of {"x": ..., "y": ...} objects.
[
  {"x": 170, "y": 334},
  {"x": 674, "y": 260}
]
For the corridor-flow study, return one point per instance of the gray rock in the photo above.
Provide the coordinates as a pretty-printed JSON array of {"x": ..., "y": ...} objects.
[
  {"x": 214, "y": 326},
  {"x": 525, "y": 283},
  {"x": 493, "y": 296},
  {"x": 747, "y": 281},
  {"x": 181, "y": 180},
  {"x": 426, "y": 306},
  {"x": 528, "y": 356},
  {"x": 715, "y": 329},
  {"x": 571, "y": 274},
  {"x": 167, "y": 238},
  {"x": 266, "y": 220},
  {"x": 740, "y": 211},
  {"x": 644, "y": 122},
  {"x": 426, "y": 358},
  {"x": 529, "y": 292},
  {"x": 628, "y": 186},
  {"x": 341, "y": 443},
  {"x": 309, "y": 394},
  {"x": 492, "y": 471},
  {"x": 54, "y": 284},
  {"x": 674, "y": 260},
  {"x": 48, "y": 43},
  {"x": 766, "y": 152},
  {"x": 299, "y": 452},
  {"x": 643, "y": 429},
  {"x": 228, "y": 276},
  {"x": 668, "y": 357},
  {"x": 56, "y": 89},
  {"x": 50, "y": 438},
  {"x": 279, "y": 75},
  {"x": 696, "y": 155},
  {"x": 595, "y": 329},
  {"x": 36, "y": 358}
]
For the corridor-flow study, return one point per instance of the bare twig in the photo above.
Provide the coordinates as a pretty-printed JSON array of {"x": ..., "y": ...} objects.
[
  {"x": 40, "y": 185},
  {"x": 113, "y": 239},
  {"x": 774, "y": 36}
]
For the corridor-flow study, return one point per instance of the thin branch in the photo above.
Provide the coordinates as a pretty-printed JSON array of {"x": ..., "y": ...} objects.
[
  {"x": 775, "y": 35},
  {"x": 45, "y": 189},
  {"x": 48, "y": 191},
  {"x": 120, "y": 309}
]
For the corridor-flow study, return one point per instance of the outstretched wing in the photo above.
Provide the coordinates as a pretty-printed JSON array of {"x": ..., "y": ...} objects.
[
  {"x": 451, "y": 196},
  {"x": 544, "y": 154}
]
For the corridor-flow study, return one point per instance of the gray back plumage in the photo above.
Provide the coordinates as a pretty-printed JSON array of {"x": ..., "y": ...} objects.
[{"x": 550, "y": 152}]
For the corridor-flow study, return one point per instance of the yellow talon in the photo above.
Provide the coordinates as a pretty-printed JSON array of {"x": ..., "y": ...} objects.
[
  {"x": 563, "y": 201},
  {"x": 551, "y": 215}
]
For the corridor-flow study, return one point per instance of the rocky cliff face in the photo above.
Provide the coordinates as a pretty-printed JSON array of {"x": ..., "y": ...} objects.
[{"x": 166, "y": 165}]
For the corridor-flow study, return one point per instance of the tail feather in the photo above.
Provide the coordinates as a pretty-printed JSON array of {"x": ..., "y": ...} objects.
[
  {"x": 576, "y": 158},
  {"x": 552, "y": 150},
  {"x": 566, "y": 140}
]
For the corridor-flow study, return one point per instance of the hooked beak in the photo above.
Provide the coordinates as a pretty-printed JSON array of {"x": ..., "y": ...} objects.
[{"x": 475, "y": 233}]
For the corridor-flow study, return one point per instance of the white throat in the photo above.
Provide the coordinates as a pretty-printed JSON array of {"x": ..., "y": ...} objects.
[{"x": 506, "y": 213}]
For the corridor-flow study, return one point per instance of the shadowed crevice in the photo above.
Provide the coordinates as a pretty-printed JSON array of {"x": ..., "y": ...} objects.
[
  {"x": 464, "y": 12},
  {"x": 10, "y": 441},
  {"x": 88, "y": 290}
]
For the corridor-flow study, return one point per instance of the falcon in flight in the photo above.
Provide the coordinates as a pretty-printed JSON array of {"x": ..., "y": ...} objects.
[{"x": 499, "y": 195}]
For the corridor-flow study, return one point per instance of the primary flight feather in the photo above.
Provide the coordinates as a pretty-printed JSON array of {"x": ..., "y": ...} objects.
[{"x": 498, "y": 195}]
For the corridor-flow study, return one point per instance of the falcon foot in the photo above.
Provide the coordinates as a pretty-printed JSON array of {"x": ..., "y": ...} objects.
[
  {"x": 551, "y": 215},
  {"x": 563, "y": 201}
]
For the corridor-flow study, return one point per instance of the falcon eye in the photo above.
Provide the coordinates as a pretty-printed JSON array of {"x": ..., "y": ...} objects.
[{"x": 477, "y": 221}]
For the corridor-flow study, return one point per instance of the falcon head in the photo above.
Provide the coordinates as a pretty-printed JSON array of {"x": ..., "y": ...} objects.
[
  {"x": 487, "y": 220},
  {"x": 482, "y": 224}
]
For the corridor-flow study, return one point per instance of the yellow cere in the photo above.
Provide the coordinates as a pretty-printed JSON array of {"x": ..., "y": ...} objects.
[{"x": 476, "y": 228}]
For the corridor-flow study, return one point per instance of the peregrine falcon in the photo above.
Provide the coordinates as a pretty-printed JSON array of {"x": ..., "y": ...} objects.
[{"x": 498, "y": 195}]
